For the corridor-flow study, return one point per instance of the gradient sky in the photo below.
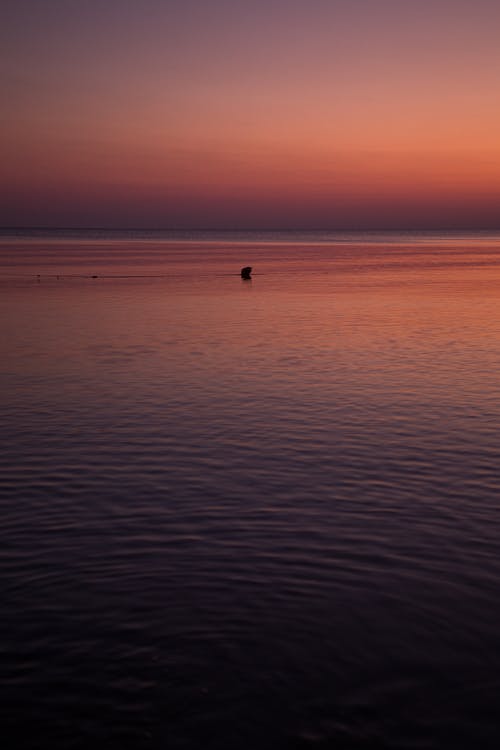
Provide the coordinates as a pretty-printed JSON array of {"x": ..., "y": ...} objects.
[{"x": 263, "y": 114}]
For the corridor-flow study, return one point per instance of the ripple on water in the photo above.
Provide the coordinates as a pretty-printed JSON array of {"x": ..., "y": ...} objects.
[{"x": 261, "y": 520}]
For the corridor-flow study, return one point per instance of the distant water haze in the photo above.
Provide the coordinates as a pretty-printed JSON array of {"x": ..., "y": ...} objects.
[{"x": 250, "y": 513}]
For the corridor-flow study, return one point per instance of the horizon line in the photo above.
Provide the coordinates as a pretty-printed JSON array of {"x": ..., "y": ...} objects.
[{"x": 17, "y": 228}]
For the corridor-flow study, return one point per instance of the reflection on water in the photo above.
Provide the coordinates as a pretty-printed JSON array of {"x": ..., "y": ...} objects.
[{"x": 250, "y": 514}]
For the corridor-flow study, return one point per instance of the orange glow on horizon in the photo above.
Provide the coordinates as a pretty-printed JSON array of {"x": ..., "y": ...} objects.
[{"x": 342, "y": 107}]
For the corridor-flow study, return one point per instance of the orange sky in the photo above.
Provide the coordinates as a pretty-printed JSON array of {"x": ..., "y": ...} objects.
[{"x": 270, "y": 114}]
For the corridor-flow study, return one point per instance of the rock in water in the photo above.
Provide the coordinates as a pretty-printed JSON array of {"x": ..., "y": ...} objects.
[{"x": 245, "y": 272}]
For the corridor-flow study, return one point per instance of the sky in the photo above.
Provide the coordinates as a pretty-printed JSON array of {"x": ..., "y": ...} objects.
[{"x": 269, "y": 114}]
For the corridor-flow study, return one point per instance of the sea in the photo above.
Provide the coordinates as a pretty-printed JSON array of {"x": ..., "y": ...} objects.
[{"x": 253, "y": 514}]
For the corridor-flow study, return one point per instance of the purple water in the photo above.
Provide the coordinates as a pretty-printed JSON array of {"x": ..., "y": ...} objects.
[{"x": 250, "y": 513}]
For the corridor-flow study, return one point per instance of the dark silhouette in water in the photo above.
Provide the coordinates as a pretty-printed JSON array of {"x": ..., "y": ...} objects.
[{"x": 245, "y": 272}]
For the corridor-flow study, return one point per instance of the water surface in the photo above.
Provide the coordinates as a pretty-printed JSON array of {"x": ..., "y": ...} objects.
[{"x": 250, "y": 514}]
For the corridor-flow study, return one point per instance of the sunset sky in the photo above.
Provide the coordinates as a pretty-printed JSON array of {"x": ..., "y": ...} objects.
[{"x": 264, "y": 114}]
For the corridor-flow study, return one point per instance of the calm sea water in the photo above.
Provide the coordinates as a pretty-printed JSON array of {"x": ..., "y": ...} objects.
[{"x": 250, "y": 514}]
